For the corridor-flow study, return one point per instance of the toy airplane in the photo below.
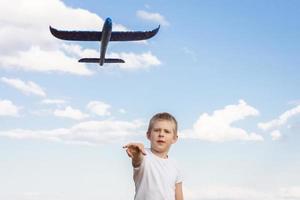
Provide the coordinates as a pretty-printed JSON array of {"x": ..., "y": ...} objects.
[{"x": 105, "y": 36}]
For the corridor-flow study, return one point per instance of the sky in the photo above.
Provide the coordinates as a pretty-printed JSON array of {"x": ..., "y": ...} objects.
[{"x": 227, "y": 70}]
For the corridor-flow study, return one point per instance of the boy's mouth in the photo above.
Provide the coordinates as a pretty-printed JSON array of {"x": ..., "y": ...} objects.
[{"x": 160, "y": 141}]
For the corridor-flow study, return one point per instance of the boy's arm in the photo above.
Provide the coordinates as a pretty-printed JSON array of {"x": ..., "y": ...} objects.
[
  {"x": 178, "y": 191},
  {"x": 136, "y": 152}
]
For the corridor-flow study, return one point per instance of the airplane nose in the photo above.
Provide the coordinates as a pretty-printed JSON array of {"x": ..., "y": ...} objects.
[{"x": 108, "y": 20}]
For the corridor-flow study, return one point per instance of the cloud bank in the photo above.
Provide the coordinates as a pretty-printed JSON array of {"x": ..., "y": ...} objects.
[
  {"x": 281, "y": 120},
  {"x": 25, "y": 87},
  {"x": 218, "y": 126},
  {"x": 7, "y": 108},
  {"x": 154, "y": 17},
  {"x": 89, "y": 132}
]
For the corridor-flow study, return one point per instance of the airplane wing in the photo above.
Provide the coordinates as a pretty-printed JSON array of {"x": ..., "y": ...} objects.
[
  {"x": 76, "y": 35},
  {"x": 132, "y": 35},
  {"x": 96, "y": 35}
]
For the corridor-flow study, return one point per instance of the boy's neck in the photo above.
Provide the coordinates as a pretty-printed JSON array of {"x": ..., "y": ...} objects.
[{"x": 163, "y": 155}]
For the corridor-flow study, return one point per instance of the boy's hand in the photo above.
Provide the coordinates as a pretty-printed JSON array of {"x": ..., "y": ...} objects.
[{"x": 134, "y": 150}]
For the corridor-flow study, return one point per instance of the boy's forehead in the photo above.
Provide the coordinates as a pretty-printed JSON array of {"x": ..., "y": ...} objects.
[{"x": 164, "y": 123}]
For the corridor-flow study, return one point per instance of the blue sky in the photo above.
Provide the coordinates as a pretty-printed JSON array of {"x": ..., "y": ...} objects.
[{"x": 227, "y": 70}]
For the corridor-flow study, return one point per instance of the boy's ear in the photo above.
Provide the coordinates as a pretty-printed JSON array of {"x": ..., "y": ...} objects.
[
  {"x": 148, "y": 135},
  {"x": 175, "y": 138}
]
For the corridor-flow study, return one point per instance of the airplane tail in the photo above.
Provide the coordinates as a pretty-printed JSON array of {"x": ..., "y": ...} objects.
[{"x": 97, "y": 60}]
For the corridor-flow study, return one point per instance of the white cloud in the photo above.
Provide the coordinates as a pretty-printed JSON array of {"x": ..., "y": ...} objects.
[
  {"x": 136, "y": 61},
  {"x": 154, "y": 17},
  {"x": 78, "y": 51},
  {"x": 21, "y": 32},
  {"x": 292, "y": 192},
  {"x": 99, "y": 108},
  {"x": 281, "y": 120},
  {"x": 89, "y": 132},
  {"x": 225, "y": 193},
  {"x": 218, "y": 126},
  {"x": 69, "y": 112},
  {"x": 32, "y": 195},
  {"x": 53, "y": 101},
  {"x": 241, "y": 193},
  {"x": 123, "y": 111},
  {"x": 27, "y": 88},
  {"x": 36, "y": 59},
  {"x": 276, "y": 135},
  {"x": 7, "y": 108},
  {"x": 28, "y": 44}
]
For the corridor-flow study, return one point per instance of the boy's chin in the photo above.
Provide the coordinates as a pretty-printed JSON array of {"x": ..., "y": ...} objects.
[{"x": 160, "y": 149}]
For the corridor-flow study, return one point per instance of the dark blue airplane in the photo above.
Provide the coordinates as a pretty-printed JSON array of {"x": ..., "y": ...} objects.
[{"x": 105, "y": 36}]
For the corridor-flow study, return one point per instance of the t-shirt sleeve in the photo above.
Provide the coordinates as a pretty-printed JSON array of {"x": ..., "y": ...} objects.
[{"x": 179, "y": 177}]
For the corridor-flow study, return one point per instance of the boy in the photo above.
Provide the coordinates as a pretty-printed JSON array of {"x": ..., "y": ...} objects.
[{"x": 156, "y": 176}]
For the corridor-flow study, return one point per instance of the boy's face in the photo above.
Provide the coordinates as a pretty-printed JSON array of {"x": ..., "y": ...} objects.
[{"x": 162, "y": 135}]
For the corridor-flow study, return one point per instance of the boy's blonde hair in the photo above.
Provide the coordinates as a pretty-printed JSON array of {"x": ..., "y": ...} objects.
[{"x": 162, "y": 116}]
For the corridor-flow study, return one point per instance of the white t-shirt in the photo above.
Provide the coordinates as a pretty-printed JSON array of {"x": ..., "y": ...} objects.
[{"x": 155, "y": 178}]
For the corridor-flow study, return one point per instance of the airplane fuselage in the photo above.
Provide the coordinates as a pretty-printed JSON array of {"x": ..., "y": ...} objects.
[{"x": 106, "y": 34}]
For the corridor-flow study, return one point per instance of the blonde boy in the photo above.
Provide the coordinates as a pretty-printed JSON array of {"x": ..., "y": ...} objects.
[{"x": 156, "y": 176}]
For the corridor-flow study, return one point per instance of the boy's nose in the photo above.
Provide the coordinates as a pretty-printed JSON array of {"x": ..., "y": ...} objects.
[{"x": 161, "y": 134}]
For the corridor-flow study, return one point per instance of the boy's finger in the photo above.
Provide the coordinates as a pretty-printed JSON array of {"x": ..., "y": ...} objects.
[
  {"x": 141, "y": 148},
  {"x": 129, "y": 145},
  {"x": 137, "y": 146},
  {"x": 128, "y": 153},
  {"x": 144, "y": 152}
]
